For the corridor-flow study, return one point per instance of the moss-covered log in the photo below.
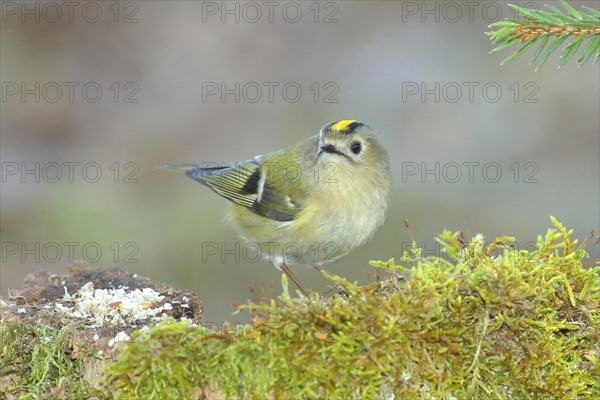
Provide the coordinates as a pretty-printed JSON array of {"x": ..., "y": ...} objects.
[{"x": 485, "y": 321}]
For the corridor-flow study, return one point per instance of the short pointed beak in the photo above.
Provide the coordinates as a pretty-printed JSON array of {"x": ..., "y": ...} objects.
[{"x": 329, "y": 148}]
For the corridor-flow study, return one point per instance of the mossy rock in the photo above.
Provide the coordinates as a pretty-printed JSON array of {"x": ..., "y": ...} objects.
[
  {"x": 486, "y": 321},
  {"x": 47, "y": 353}
]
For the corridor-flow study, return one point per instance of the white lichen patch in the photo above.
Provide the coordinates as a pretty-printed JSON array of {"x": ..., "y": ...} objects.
[
  {"x": 119, "y": 337},
  {"x": 121, "y": 307}
]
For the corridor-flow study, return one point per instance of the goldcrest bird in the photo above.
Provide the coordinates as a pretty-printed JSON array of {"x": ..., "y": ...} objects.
[{"x": 309, "y": 203}]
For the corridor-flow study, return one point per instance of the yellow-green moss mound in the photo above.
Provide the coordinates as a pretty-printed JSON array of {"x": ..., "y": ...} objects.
[{"x": 487, "y": 322}]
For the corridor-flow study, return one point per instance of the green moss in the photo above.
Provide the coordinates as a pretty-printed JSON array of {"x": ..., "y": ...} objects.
[
  {"x": 36, "y": 362},
  {"x": 487, "y": 321}
]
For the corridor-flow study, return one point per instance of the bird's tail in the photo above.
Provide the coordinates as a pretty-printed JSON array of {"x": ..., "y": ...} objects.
[{"x": 180, "y": 167}]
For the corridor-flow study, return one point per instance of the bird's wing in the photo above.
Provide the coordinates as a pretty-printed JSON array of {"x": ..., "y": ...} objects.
[{"x": 249, "y": 185}]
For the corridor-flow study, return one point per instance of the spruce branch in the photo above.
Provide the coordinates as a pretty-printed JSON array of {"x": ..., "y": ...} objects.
[{"x": 580, "y": 28}]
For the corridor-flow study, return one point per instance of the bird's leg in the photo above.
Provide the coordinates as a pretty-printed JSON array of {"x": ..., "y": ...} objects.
[
  {"x": 288, "y": 272},
  {"x": 321, "y": 269},
  {"x": 318, "y": 268}
]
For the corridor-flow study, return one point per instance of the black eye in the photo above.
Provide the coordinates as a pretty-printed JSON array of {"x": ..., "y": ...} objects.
[{"x": 355, "y": 147}]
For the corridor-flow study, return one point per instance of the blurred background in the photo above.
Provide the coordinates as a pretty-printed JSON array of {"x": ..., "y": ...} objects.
[{"x": 96, "y": 95}]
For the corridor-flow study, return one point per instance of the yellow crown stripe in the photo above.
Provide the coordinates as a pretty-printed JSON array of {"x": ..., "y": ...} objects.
[{"x": 342, "y": 125}]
